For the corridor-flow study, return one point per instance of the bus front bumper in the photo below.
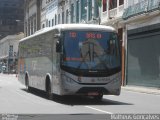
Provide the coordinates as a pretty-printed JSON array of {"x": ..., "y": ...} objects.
[{"x": 74, "y": 88}]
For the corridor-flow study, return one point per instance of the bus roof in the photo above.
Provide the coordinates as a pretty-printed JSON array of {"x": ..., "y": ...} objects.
[
  {"x": 84, "y": 27},
  {"x": 63, "y": 27}
]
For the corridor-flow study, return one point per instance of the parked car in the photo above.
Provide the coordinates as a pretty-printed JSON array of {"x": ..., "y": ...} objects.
[{"x": 4, "y": 68}]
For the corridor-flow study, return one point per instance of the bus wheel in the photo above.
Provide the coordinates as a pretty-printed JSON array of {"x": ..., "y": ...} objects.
[
  {"x": 27, "y": 84},
  {"x": 49, "y": 92},
  {"x": 98, "y": 97}
]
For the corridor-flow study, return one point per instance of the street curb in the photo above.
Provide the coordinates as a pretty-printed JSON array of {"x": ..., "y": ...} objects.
[{"x": 147, "y": 90}]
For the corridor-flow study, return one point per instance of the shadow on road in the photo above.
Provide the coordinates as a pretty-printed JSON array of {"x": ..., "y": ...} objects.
[
  {"x": 76, "y": 100},
  {"x": 84, "y": 100}
]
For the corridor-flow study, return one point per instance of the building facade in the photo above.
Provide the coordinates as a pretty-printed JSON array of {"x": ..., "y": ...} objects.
[
  {"x": 142, "y": 20},
  {"x": 11, "y": 17},
  {"x": 52, "y": 13},
  {"x": 9, "y": 52},
  {"x": 136, "y": 21},
  {"x": 32, "y": 16},
  {"x": 71, "y": 11}
]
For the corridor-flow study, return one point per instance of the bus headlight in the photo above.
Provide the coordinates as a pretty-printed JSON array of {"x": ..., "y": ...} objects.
[
  {"x": 69, "y": 80},
  {"x": 79, "y": 79}
]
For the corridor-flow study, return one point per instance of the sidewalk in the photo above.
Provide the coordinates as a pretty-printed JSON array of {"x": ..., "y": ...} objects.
[
  {"x": 141, "y": 89},
  {"x": 6, "y": 74}
]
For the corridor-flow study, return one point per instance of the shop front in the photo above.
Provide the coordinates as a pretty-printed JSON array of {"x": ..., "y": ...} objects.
[{"x": 143, "y": 56}]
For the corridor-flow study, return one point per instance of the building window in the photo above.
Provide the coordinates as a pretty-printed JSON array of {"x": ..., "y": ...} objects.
[
  {"x": 49, "y": 23},
  {"x": 47, "y": 1},
  {"x": 83, "y": 10},
  {"x": 77, "y": 11},
  {"x": 5, "y": 4},
  {"x": 62, "y": 17},
  {"x": 112, "y": 4},
  {"x": 26, "y": 32},
  {"x": 0, "y": 22},
  {"x": 11, "y": 50},
  {"x": 59, "y": 19},
  {"x": 104, "y": 5},
  {"x": 29, "y": 26},
  {"x": 120, "y": 35},
  {"x": 67, "y": 16},
  {"x": 52, "y": 22},
  {"x": 55, "y": 19},
  {"x": 34, "y": 25},
  {"x": 89, "y": 9},
  {"x": 96, "y": 9},
  {"x": 121, "y": 2},
  {"x": 72, "y": 13},
  {"x": 43, "y": 26}
]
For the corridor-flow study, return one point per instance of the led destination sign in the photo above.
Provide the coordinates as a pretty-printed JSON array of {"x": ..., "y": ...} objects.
[{"x": 88, "y": 35}]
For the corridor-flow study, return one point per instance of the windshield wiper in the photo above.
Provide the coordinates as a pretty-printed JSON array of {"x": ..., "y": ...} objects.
[
  {"x": 101, "y": 61},
  {"x": 91, "y": 54},
  {"x": 83, "y": 60}
]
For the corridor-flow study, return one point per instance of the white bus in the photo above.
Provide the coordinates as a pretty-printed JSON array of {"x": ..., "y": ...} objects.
[{"x": 72, "y": 59}]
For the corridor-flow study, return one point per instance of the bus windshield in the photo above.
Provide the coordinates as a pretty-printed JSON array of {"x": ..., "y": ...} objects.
[{"x": 91, "y": 50}]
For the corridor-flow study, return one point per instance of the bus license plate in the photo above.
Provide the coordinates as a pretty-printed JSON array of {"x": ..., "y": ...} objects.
[{"x": 93, "y": 93}]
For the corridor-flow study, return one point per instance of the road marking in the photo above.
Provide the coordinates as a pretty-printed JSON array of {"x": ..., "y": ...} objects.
[{"x": 98, "y": 110}]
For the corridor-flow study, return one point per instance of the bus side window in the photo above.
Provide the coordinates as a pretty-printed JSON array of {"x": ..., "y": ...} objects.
[{"x": 111, "y": 44}]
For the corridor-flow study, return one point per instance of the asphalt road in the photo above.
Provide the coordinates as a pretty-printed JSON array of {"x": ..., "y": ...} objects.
[{"x": 14, "y": 99}]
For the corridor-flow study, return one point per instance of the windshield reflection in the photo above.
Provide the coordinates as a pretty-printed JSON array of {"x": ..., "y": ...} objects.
[{"x": 91, "y": 50}]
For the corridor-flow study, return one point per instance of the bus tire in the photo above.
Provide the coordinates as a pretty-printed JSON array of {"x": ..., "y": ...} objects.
[
  {"x": 48, "y": 90},
  {"x": 98, "y": 97},
  {"x": 27, "y": 83}
]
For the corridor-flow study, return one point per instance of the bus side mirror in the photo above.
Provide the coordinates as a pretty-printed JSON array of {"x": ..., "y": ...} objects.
[{"x": 58, "y": 46}]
